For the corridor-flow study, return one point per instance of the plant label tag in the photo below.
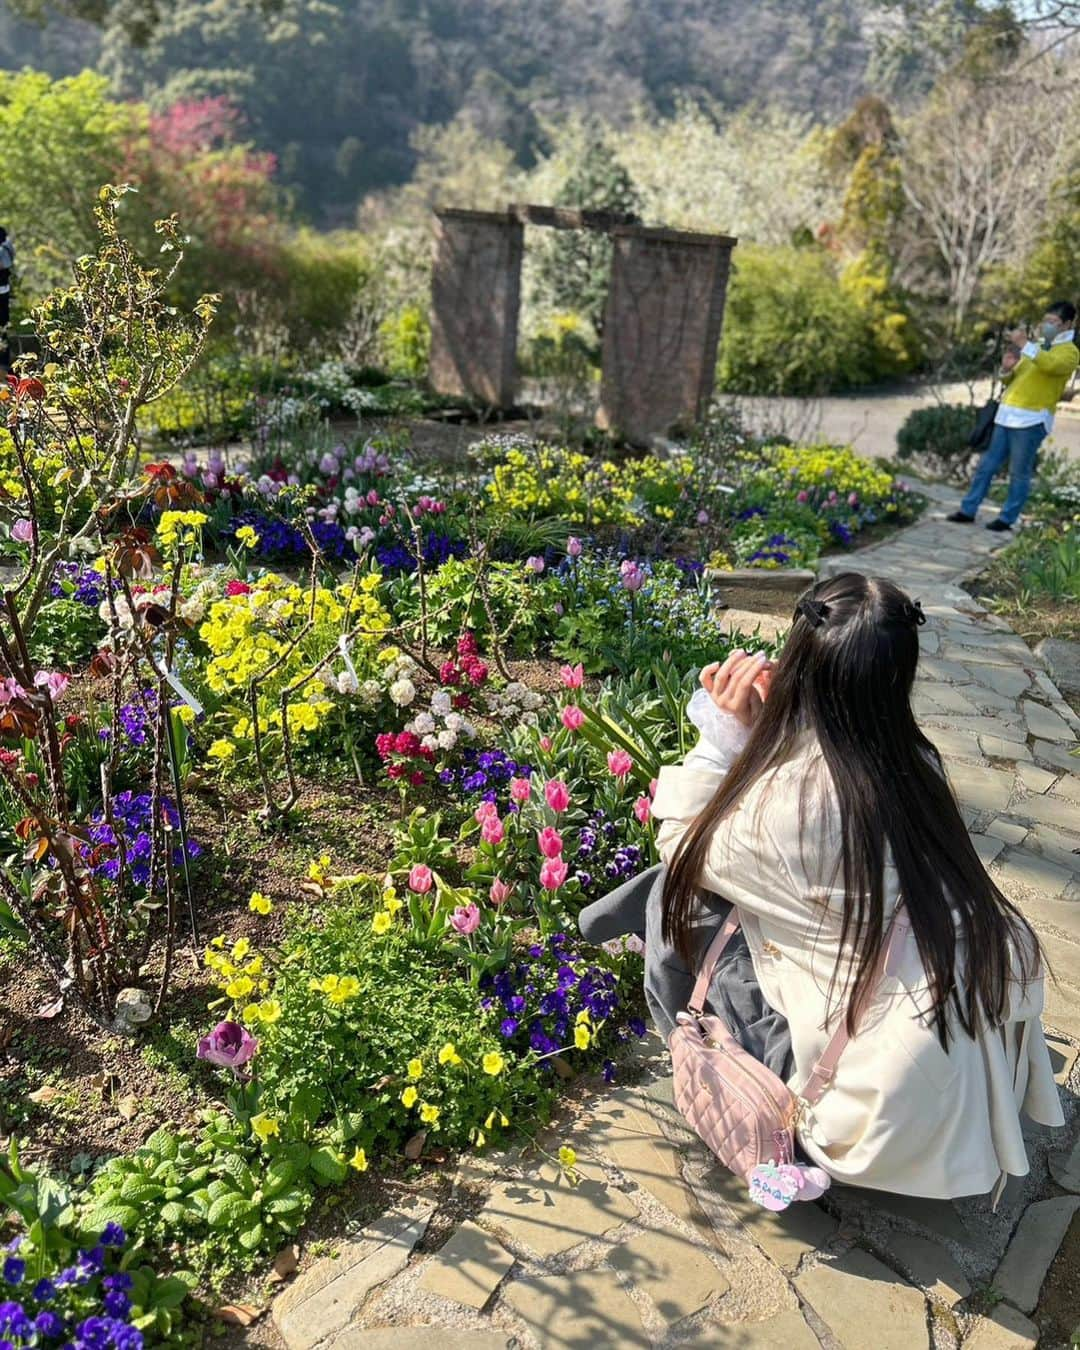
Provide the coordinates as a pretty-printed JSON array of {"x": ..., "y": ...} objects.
[
  {"x": 181, "y": 689},
  {"x": 343, "y": 643}
]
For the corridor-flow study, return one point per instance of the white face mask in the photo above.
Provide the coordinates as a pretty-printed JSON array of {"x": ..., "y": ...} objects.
[{"x": 1051, "y": 330}]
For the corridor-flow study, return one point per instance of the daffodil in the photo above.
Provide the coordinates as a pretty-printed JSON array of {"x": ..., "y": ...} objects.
[
  {"x": 409, "y": 1096},
  {"x": 259, "y": 903},
  {"x": 359, "y": 1160},
  {"x": 265, "y": 1127},
  {"x": 493, "y": 1063}
]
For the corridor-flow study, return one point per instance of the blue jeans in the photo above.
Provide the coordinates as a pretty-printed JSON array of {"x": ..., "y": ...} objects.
[{"x": 1018, "y": 445}]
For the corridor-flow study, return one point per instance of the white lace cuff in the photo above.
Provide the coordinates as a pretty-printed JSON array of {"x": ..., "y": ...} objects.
[{"x": 723, "y": 736}]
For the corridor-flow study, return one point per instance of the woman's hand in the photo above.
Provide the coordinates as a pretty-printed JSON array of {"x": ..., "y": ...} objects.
[{"x": 731, "y": 686}]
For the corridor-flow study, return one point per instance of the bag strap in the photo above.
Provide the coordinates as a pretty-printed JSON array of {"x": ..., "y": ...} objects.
[
  {"x": 821, "y": 1075},
  {"x": 823, "y": 1072}
]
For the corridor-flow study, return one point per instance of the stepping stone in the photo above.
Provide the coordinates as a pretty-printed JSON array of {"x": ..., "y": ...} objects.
[
  {"x": 1063, "y": 849},
  {"x": 548, "y": 1215},
  {"x": 1063, "y": 1055},
  {"x": 956, "y": 744},
  {"x": 1030, "y": 1254},
  {"x": 786, "y": 1331},
  {"x": 856, "y": 1293},
  {"x": 948, "y": 699},
  {"x": 674, "y": 1272},
  {"x": 585, "y": 1310},
  {"x": 785, "y": 1237},
  {"x": 1034, "y": 778},
  {"x": 933, "y": 668},
  {"x": 997, "y": 747},
  {"x": 1051, "y": 810},
  {"x": 1058, "y": 755},
  {"x": 928, "y": 1264},
  {"x": 418, "y": 1338},
  {"x": 1062, "y": 659},
  {"x": 939, "y": 1217},
  {"x": 987, "y": 848},
  {"x": 746, "y": 623},
  {"x": 1008, "y": 683},
  {"x": 468, "y": 1268},
  {"x": 1022, "y": 870},
  {"x": 322, "y": 1301},
  {"x": 981, "y": 788},
  {"x": 1064, "y": 1167},
  {"x": 1007, "y": 830},
  {"x": 1004, "y": 1329},
  {"x": 1044, "y": 724}
]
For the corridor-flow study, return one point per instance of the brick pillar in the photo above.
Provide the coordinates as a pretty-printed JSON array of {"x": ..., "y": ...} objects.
[
  {"x": 665, "y": 308},
  {"x": 476, "y": 290}
]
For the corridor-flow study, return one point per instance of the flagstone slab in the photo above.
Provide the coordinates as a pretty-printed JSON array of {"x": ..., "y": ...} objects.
[
  {"x": 548, "y": 1215},
  {"x": 785, "y": 1331},
  {"x": 419, "y": 1338},
  {"x": 984, "y": 789},
  {"x": 468, "y": 1268},
  {"x": 584, "y": 1310},
  {"x": 1051, "y": 810},
  {"x": 1007, "y": 682},
  {"x": 1044, "y": 724},
  {"x": 1003, "y": 1329},
  {"x": 1030, "y": 1254},
  {"x": 1019, "y": 868},
  {"x": 674, "y": 1272},
  {"x": 1007, "y": 830},
  {"x": 1064, "y": 1167},
  {"x": 930, "y": 1266},
  {"x": 1034, "y": 778},
  {"x": 998, "y": 747},
  {"x": 987, "y": 847},
  {"x": 785, "y": 1237},
  {"x": 1050, "y": 753},
  {"x": 857, "y": 1293}
]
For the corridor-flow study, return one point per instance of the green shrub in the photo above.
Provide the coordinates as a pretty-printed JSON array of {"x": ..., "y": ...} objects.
[
  {"x": 325, "y": 279},
  {"x": 406, "y": 340},
  {"x": 937, "y": 437}
]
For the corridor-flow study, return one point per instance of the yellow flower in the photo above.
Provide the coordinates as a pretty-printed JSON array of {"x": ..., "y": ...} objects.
[
  {"x": 320, "y": 871},
  {"x": 219, "y": 941},
  {"x": 567, "y": 1157},
  {"x": 489, "y": 1124},
  {"x": 415, "y": 1068},
  {"x": 392, "y": 903},
  {"x": 252, "y": 1012},
  {"x": 259, "y": 903},
  {"x": 264, "y": 1126},
  {"x": 240, "y": 987},
  {"x": 346, "y": 988},
  {"x": 583, "y": 1016},
  {"x": 221, "y": 749},
  {"x": 269, "y": 1010},
  {"x": 359, "y": 1160},
  {"x": 409, "y": 1096},
  {"x": 246, "y": 535},
  {"x": 382, "y": 922},
  {"x": 581, "y": 1037},
  {"x": 493, "y": 1063},
  {"x": 240, "y": 949},
  {"x": 449, "y": 1055},
  {"x": 254, "y": 966},
  {"x": 428, "y": 1114}
]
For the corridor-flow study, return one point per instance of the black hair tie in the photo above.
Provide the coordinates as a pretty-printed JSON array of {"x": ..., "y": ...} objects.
[
  {"x": 815, "y": 612},
  {"x": 914, "y": 614}
]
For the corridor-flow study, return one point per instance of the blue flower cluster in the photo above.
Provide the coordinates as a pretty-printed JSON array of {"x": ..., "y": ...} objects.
[
  {"x": 538, "y": 999},
  {"x": 41, "y": 1315},
  {"x": 773, "y": 550},
  {"x": 604, "y": 858},
  {"x": 485, "y": 773},
  {"x": 280, "y": 539},
  {"x": 438, "y": 548},
  {"x": 82, "y": 584},
  {"x": 131, "y": 813},
  {"x": 135, "y": 719}
]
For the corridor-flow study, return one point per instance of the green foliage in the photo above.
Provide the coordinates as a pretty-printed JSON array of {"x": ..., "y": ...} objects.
[
  {"x": 406, "y": 341},
  {"x": 323, "y": 280},
  {"x": 937, "y": 437}
]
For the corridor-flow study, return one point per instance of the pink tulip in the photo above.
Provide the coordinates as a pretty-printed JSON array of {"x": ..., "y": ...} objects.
[
  {"x": 573, "y": 676},
  {"x": 484, "y": 811},
  {"x": 535, "y": 564},
  {"x": 853, "y": 499},
  {"x": 802, "y": 497},
  {"x": 54, "y": 681},
  {"x": 632, "y": 575},
  {"x": 572, "y": 717},
  {"x": 545, "y": 743},
  {"x": 465, "y": 919},
  {"x": 557, "y": 794},
  {"x": 229, "y": 1046},
  {"x": 573, "y": 547},
  {"x": 421, "y": 879},
  {"x": 619, "y": 763},
  {"x": 500, "y": 892},
  {"x": 491, "y": 831},
  {"x": 549, "y": 841},
  {"x": 22, "y": 531},
  {"x": 520, "y": 789},
  {"x": 643, "y": 809},
  {"x": 654, "y": 783},
  {"x": 553, "y": 874}
]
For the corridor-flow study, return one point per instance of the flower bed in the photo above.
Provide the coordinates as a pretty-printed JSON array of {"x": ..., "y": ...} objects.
[{"x": 364, "y": 736}]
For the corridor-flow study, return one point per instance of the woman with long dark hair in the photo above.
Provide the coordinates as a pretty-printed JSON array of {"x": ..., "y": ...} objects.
[{"x": 818, "y": 810}]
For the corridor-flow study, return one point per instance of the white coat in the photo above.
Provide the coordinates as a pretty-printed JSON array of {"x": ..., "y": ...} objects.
[{"x": 901, "y": 1115}]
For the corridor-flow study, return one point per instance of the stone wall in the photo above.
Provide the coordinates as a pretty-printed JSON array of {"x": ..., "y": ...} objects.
[{"x": 476, "y": 290}]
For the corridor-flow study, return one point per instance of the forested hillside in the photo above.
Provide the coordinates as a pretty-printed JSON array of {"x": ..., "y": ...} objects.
[{"x": 335, "y": 88}]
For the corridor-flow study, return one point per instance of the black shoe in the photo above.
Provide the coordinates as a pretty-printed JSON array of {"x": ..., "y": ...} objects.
[
  {"x": 999, "y": 525},
  {"x": 960, "y": 518}
]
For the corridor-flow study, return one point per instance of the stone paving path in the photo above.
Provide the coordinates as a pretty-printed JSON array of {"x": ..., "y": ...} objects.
[{"x": 659, "y": 1247}]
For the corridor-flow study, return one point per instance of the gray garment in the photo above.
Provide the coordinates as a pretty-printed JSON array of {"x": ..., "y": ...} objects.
[{"x": 734, "y": 992}]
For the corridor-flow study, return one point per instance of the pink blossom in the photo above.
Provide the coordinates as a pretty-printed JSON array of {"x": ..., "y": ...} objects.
[
  {"x": 572, "y": 717},
  {"x": 853, "y": 499},
  {"x": 634, "y": 944},
  {"x": 520, "y": 789},
  {"x": 802, "y": 497},
  {"x": 421, "y": 879},
  {"x": 545, "y": 743},
  {"x": 549, "y": 841},
  {"x": 573, "y": 676},
  {"x": 557, "y": 794},
  {"x": 491, "y": 831},
  {"x": 643, "y": 809},
  {"x": 654, "y": 783},
  {"x": 10, "y": 689},
  {"x": 229, "y": 1045},
  {"x": 465, "y": 919},
  {"x": 573, "y": 547},
  {"x": 632, "y": 575},
  {"x": 702, "y": 517},
  {"x": 484, "y": 810},
  {"x": 619, "y": 763},
  {"x": 500, "y": 891},
  {"x": 22, "y": 531},
  {"x": 535, "y": 564},
  {"x": 54, "y": 681},
  {"x": 553, "y": 874}
]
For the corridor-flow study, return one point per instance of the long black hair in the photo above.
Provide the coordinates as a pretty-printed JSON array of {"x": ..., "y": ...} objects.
[{"x": 846, "y": 675}]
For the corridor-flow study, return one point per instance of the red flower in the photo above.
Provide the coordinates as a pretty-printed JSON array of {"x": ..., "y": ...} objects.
[
  {"x": 27, "y": 386},
  {"x": 235, "y": 587}
]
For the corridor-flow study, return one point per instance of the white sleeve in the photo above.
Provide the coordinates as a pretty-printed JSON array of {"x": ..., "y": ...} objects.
[
  {"x": 1030, "y": 350},
  {"x": 684, "y": 790}
]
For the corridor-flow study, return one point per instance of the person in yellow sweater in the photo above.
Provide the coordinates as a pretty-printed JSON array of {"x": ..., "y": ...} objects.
[{"x": 1035, "y": 374}]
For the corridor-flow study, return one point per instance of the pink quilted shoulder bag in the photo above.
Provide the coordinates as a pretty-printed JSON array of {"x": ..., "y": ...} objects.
[{"x": 742, "y": 1110}]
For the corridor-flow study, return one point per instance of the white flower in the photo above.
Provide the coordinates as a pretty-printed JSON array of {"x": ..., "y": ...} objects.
[
  {"x": 529, "y": 719},
  {"x": 515, "y": 691},
  {"x": 454, "y": 721},
  {"x": 371, "y": 691},
  {"x": 447, "y": 740},
  {"x": 430, "y": 742},
  {"x": 347, "y": 683},
  {"x": 423, "y": 724},
  {"x": 402, "y": 692},
  {"x": 440, "y": 702},
  {"x": 532, "y": 699}
]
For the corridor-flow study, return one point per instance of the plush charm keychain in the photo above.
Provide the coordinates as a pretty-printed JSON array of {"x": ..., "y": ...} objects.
[{"x": 775, "y": 1185}]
